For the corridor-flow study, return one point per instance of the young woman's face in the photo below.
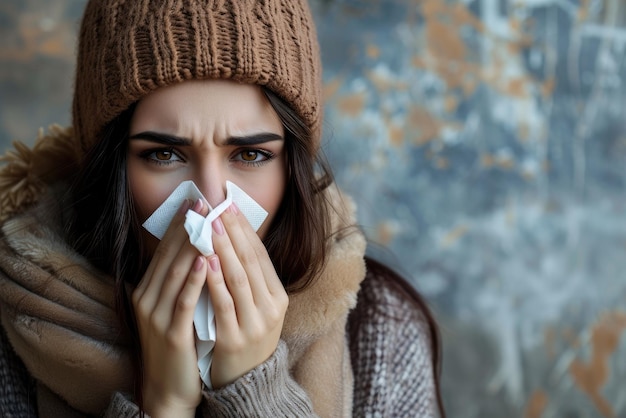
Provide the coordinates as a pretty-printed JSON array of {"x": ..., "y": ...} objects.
[{"x": 207, "y": 131}]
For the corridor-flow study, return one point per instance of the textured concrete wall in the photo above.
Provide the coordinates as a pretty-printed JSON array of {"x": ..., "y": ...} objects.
[{"x": 485, "y": 143}]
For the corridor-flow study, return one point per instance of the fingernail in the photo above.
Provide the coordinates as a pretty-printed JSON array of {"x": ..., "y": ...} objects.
[
  {"x": 197, "y": 265},
  {"x": 214, "y": 263},
  {"x": 233, "y": 208},
  {"x": 184, "y": 206},
  {"x": 197, "y": 207},
  {"x": 218, "y": 226}
]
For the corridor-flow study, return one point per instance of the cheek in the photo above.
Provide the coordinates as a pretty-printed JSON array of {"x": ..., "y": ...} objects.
[
  {"x": 270, "y": 197},
  {"x": 270, "y": 202},
  {"x": 147, "y": 192}
]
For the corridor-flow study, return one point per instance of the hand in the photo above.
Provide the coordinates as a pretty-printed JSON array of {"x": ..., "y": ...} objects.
[
  {"x": 248, "y": 299},
  {"x": 164, "y": 303}
]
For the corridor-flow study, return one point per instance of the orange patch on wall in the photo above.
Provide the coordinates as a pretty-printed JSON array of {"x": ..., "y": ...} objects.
[
  {"x": 505, "y": 163},
  {"x": 549, "y": 336},
  {"x": 427, "y": 126},
  {"x": 547, "y": 88},
  {"x": 451, "y": 103},
  {"x": 536, "y": 404},
  {"x": 386, "y": 232},
  {"x": 590, "y": 377},
  {"x": 442, "y": 163},
  {"x": 583, "y": 10},
  {"x": 372, "y": 51},
  {"x": 433, "y": 7},
  {"x": 418, "y": 62},
  {"x": 515, "y": 24},
  {"x": 31, "y": 40},
  {"x": 487, "y": 160},
  {"x": 469, "y": 86},
  {"x": 384, "y": 84},
  {"x": 452, "y": 73},
  {"x": 52, "y": 47},
  {"x": 396, "y": 134},
  {"x": 523, "y": 131},
  {"x": 454, "y": 235},
  {"x": 351, "y": 105},
  {"x": 462, "y": 16},
  {"x": 444, "y": 42},
  {"x": 569, "y": 335},
  {"x": 516, "y": 87},
  {"x": 331, "y": 88}
]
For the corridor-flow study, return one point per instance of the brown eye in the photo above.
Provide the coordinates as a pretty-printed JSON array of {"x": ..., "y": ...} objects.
[
  {"x": 252, "y": 157},
  {"x": 249, "y": 155},
  {"x": 163, "y": 155}
]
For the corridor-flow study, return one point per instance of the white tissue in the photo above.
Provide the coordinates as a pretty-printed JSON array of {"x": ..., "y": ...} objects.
[
  {"x": 200, "y": 233},
  {"x": 200, "y": 229}
]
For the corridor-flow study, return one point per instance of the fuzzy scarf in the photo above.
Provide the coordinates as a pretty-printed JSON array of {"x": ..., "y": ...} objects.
[{"x": 59, "y": 314}]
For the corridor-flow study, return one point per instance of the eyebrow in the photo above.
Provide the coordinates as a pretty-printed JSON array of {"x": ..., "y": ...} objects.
[
  {"x": 255, "y": 139},
  {"x": 173, "y": 140},
  {"x": 160, "y": 138}
]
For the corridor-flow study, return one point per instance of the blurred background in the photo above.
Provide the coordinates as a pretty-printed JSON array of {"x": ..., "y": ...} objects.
[{"x": 485, "y": 144}]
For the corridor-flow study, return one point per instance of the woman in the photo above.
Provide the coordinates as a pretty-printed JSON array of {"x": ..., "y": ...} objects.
[{"x": 97, "y": 314}]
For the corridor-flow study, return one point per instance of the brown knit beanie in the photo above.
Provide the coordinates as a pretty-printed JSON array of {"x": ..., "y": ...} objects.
[{"x": 128, "y": 48}]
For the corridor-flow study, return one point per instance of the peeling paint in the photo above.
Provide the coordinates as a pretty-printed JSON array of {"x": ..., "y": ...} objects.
[
  {"x": 536, "y": 404},
  {"x": 351, "y": 105},
  {"x": 454, "y": 235},
  {"x": 387, "y": 231},
  {"x": 331, "y": 87},
  {"x": 37, "y": 34},
  {"x": 425, "y": 126},
  {"x": 395, "y": 134},
  {"x": 592, "y": 376},
  {"x": 373, "y": 51},
  {"x": 385, "y": 83}
]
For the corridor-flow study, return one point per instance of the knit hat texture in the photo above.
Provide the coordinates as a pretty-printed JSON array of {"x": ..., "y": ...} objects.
[{"x": 128, "y": 48}]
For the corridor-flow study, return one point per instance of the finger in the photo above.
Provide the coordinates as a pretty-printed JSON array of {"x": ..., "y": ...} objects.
[
  {"x": 167, "y": 251},
  {"x": 226, "y": 323},
  {"x": 176, "y": 278},
  {"x": 237, "y": 266},
  {"x": 268, "y": 291},
  {"x": 188, "y": 296},
  {"x": 271, "y": 281},
  {"x": 164, "y": 248},
  {"x": 267, "y": 308}
]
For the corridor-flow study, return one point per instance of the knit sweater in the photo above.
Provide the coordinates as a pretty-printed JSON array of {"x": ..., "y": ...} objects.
[{"x": 387, "y": 339}]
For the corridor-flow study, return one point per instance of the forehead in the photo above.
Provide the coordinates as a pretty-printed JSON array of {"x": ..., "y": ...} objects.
[{"x": 191, "y": 107}]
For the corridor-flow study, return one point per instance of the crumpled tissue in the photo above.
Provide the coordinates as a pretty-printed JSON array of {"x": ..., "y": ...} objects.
[{"x": 200, "y": 232}]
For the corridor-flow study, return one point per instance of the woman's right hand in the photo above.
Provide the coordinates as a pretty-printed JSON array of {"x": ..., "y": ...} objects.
[{"x": 164, "y": 304}]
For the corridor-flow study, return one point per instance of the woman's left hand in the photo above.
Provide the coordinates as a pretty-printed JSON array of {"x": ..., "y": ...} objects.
[{"x": 248, "y": 299}]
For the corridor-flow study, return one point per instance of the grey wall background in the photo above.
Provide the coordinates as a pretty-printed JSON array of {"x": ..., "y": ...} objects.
[{"x": 485, "y": 143}]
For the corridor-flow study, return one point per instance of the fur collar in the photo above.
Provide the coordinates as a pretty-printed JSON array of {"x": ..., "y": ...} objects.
[{"x": 59, "y": 314}]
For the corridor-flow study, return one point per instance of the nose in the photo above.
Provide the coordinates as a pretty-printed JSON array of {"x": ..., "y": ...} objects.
[{"x": 212, "y": 184}]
